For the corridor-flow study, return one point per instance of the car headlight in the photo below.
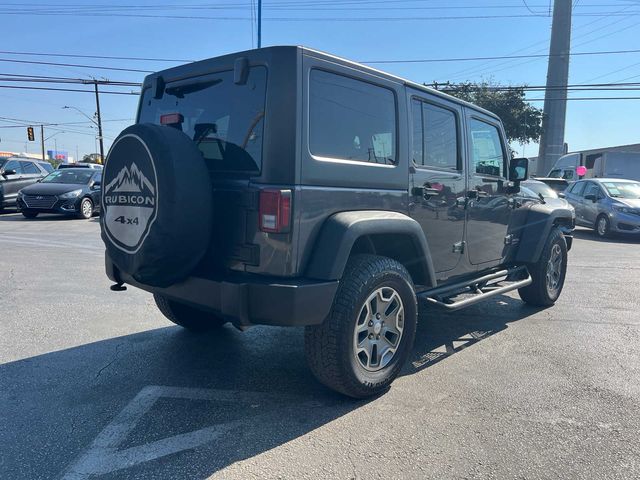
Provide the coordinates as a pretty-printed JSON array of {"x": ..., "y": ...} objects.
[
  {"x": 624, "y": 209},
  {"x": 72, "y": 194}
]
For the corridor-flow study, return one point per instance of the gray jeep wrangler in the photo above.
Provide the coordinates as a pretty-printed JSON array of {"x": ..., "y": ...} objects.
[{"x": 285, "y": 186}]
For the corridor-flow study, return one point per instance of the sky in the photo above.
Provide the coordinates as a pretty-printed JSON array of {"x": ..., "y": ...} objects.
[{"x": 360, "y": 30}]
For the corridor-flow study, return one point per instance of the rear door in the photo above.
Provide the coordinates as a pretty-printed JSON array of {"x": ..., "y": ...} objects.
[
  {"x": 574, "y": 197},
  {"x": 489, "y": 207},
  {"x": 589, "y": 208},
  {"x": 437, "y": 182},
  {"x": 30, "y": 172}
]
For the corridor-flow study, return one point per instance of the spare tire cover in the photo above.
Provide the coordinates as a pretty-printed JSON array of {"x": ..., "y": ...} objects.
[{"x": 157, "y": 204}]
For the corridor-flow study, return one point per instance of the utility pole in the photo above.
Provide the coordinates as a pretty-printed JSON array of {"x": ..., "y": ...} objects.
[
  {"x": 42, "y": 140},
  {"x": 555, "y": 103},
  {"x": 259, "y": 23},
  {"x": 95, "y": 84}
]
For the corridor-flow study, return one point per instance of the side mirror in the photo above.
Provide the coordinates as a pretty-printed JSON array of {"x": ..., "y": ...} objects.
[
  {"x": 96, "y": 184},
  {"x": 8, "y": 171},
  {"x": 562, "y": 195},
  {"x": 518, "y": 169},
  {"x": 591, "y": 196}
]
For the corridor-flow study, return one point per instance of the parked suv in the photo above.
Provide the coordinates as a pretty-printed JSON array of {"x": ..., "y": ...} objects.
[
  {"x": 17, "y": 173},
  {"x": 284, "y": 186}
]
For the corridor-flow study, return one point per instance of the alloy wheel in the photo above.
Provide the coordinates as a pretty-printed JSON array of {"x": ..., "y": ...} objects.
[
  {"x": 554, "y": 270},
  {"x": 378, "y": 330}
]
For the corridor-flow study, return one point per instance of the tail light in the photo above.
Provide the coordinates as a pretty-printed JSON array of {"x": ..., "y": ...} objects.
[{"x": 275, "y": 211}]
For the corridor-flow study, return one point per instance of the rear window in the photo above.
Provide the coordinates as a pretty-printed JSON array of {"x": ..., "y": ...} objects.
[
  {"x": 225, "y": 120},
  {"x": 350, "y": 119}
]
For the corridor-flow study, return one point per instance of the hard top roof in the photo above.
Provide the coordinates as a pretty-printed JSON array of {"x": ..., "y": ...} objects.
[{"x": 204, "y": 64}]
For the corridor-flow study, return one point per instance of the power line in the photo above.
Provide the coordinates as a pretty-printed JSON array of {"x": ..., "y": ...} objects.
[
  {"x": 50, "y": 89},
  {"x": 466, "y": 59},
  {"x": 103, "y": 57},
  {"x": 97, "y": 67}
]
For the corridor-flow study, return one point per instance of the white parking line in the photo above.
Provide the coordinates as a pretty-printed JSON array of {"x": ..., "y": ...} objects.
[{"x": 103, "y": 455}]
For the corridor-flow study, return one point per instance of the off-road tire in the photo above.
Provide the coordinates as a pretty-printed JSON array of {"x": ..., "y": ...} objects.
[
  {"x": 537, "y": 293},
  {"x": 329, "y": 347},
  {"x": 29, "y": 214},
  {"x": 188, "y": 317},
  {"x": 607, "y": 228},
  {"x": 82, "y": 213}
]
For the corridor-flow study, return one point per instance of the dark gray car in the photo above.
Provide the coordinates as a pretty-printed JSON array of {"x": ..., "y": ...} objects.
[
  {"x": 17, "y": 173},
  {"x": 608, "y": 205},
  {"x": 285, "y": 186}
]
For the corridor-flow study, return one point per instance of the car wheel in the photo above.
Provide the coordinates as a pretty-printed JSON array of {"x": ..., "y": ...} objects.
[
  {"x": 188, "y": 317},
  {"x": 602, "y": 226},
  {"x": 86, "y": 209},
  {"x": 361, "y": 346},
  {"x": 29, "y": 214},
  {"x": 548, "y": 273}
]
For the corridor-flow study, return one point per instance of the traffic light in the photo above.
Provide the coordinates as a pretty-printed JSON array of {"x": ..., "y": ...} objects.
[{"x": 30, "y": 134}]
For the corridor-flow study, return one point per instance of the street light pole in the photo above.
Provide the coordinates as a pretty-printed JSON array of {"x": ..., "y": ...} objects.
[
  {"x": 42, "y": 140},
  {"x": 259, "y": 23},
  {"x": 99, "y": 118}
]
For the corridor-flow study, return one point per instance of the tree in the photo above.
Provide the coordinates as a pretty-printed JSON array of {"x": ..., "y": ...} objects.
[
  {"x": 522, "y": 121},
  {"x": 92, "y": 158}
]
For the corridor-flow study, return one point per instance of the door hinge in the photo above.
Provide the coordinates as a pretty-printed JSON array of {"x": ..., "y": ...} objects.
[
  {"x": 459, "y": 247},
  {"x": 511, "y": 240}
]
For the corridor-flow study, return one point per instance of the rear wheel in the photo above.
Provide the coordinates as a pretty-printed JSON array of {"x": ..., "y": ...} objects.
[
  {"x": 602, "y": 226},
  {"x": 361, "y": 347},
  {"x": 548, "y": 273},
  {"x": 188, "y": 317},
  {"x": 86, "y": 209},
  {"x": 29, "y": 214}
]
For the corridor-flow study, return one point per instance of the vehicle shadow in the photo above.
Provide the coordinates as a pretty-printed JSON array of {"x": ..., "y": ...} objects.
[
  {"x": 241, "y": 394},
  {"x": 589, "y": 235},
  {"x": 441, "y": 334}
]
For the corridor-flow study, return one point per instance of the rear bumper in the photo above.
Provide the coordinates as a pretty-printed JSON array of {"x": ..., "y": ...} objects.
[{"x": 248, "y": 300}]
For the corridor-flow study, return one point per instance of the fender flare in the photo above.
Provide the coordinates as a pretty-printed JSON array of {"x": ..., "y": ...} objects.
[
  {"x": 340, "y": 232},
  {"x": 540, "y": 220}
]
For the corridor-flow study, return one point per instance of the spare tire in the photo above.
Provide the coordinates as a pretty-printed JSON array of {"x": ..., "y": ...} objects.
[{"x": 157, "y": 204}]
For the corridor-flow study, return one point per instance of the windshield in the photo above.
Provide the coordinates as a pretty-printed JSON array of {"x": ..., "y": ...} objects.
[
  {"x": 542, "y": 189},
  {"x": 223, "y": 118},
  {"x": 629, "y": 190},
  {"x": 69, "y": 176}
]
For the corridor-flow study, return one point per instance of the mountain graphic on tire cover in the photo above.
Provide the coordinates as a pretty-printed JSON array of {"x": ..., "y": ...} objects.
[{"x": 130, "y": 202}]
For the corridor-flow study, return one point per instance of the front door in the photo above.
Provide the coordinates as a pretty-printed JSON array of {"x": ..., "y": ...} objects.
[
  {"x": 590, "y": 209},
  {"x": 14, "y": 182},
  {"x": 437, "y": 183},
  {"x": 488, "y": 206}
]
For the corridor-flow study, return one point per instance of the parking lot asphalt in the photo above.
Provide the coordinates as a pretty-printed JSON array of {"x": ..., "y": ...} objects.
[{"x": 97, "y": 384}]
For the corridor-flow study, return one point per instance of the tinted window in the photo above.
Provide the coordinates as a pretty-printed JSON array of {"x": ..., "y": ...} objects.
[
  {"x": 47, "y": 166},
  {"x": 224, "y": 119},
  {"x": 487, "y": 154},
  {"x": 543, "y": 189},
  {"x": 98, "y": 177},
  {"x": 350, "y": 119},
  {"x": 577, "y": 188},
  {"x": 13, "y": 165},
  {"x": 435, "y": 141},
  {"x": 30, "y": 168}
]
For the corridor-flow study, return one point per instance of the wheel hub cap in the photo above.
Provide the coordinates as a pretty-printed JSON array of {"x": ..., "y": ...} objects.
[
  {"x": 554, "y": 269},
  {"x": 379, "y": 329}
]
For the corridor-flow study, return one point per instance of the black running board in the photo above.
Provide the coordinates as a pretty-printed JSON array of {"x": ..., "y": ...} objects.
[{"x": 477, "y": 289}]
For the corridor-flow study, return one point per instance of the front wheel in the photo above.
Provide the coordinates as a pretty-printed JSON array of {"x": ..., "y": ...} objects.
[
  {"x": 361, "y": 347},
  {"x": 86, "y": 209},
  {"x": 188, "y": 317},
  {"x": 602, "y": 226},
  {"x": 548, "y": 273}
]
